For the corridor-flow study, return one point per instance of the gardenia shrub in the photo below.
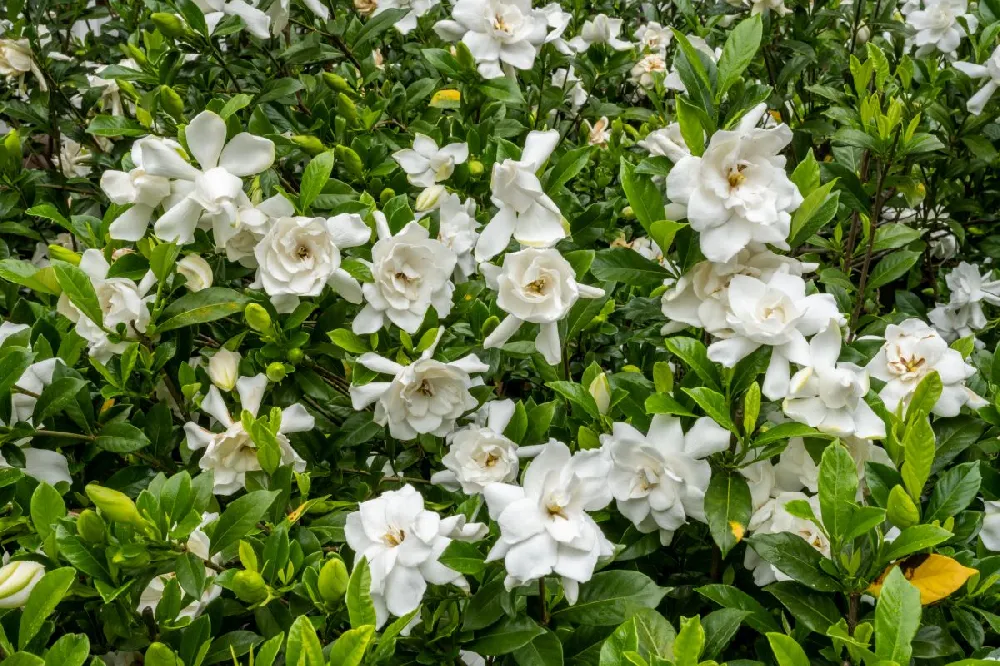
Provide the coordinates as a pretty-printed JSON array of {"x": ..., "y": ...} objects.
[{"x": 479, "y": 332}]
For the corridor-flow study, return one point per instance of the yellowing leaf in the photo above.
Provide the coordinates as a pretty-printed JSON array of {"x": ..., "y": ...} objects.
[
  {"x": 737, "y": 530},
  {"x": 446, "y": 99},
  {"x": 936, "y": 576}
]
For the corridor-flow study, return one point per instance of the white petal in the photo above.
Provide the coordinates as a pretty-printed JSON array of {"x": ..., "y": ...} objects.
[
  {"x": 205, "y": 134},
  {"x": 247, "y": 155}
]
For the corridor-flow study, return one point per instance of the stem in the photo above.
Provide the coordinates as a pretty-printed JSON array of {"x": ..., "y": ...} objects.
[
  {"x": 63, "y": 435},
  {"x": 542, "y": 602},
  {"x": 852, "y": 238}
]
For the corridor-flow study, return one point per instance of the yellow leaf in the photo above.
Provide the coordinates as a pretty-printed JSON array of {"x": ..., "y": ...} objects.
[
  {"x": 447, "y": 99},
  {"x": 936, "y": 576},
  {"x": 737, "y": 530}
]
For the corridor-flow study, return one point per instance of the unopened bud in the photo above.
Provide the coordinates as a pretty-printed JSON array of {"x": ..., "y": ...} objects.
[
  {"x": 249, "y": 586},
  {"x": 117, "y": 506},
  {"x": 864, "y": 33},
  {"x": 350, "y": 160},
  {"x": 257, "y": 318},
  {"x": 385, "y": 195},
  {"x": 600, "y": 390},
  {"x": 90, "y": 526},
  {"x": 333, "y": 579},
  {"x": 295, "y": 355},
  {"x": 337, "y": 82},
  {"x": 309, "y": 144},
  {"x": 61, "y": 253},
  {"x": 171, "y": 102},
  {"x": 275, "y": 372},
  {"x": 224, "y": 369},
  {"x": 169, "y": 24},
  {"x": 476, "y": 167},
  {"x": 429, "y": 198},
  {"x": 628, "y": 213}
]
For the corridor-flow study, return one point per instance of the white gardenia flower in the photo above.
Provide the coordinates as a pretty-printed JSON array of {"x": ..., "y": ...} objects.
[
  {"x": 479, "y": 454},
  {"x": 402, "y": 542},
  {"x": 776, "y": 313},
  {"x": 654, "y": 37},
  {"x": 16, "y": 61},
  {"x": 659, "y": 479},
  {"x": 230, "y": 454},
  {"x": 497, "y": 32},
  {"x": 990, "y": 71},
  {"x": 17, "y": 580},
  {"x": 458, "y": 231},
  {"x": 830, "y": 396},
  {"x": 111, "y": 98},
  {"x": 737, "y": 192},
  {"x": 644, "y": 72},
  {"x": 963, "y": 314},
  {"x": 426, "y": 396},
  {"x": 537, "y": 287},
  {"x": 299, "y": 256},
  {"x": 760, "y": 479},
  {"x": 73, "y": 159},
  {"x": 213, "y": 193},
  {"x": 990, "y": 531},
  {"x": 426, "y": 164},
  {"x": 544, "y": 526},
  {"x": 257, "y": 22},
  {"x": 599, "y": 133},
  {"x": 224, "y": 368},
  {"x": 524, "y": 210},
  {"x": 911, "y": 351},
  {"x": 762, "y": 6},
  {"x": 122, "y": 301},
  {"x": 796, "y": 469},
  {"x": 667, "y": 142},
  {"x": 773, "y": 518},
  {"x": 600, "y": 30},
  {"x": 557, "y": 21},
  {"x": 566, "y": 79},
  {"x": 411, "y": 272},
  {"x": 196, "y": 271},
  {"x": 144, "y": 191},
  {"x": 240, "y": 237},
  {"x": 417, "y": 9},
  {"x": 153, "y": 593},
  {"x": 936, "y": 25}
]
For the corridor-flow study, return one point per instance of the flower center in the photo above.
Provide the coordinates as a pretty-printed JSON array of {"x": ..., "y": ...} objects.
[
  {"x": 536, "y": 287},
  {"x": 736, "y": 176},
  {"x": 303, "y": 252},
  {"x": 394, "y": 537},
  {"x": 491, "y": 459},
  {"x": 426, "y": 389}
]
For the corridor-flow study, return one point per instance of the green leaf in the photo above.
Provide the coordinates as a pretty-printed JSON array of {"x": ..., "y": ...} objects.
[
  {"x": 568, "y": 166},
  {"x": 349, "y": 648},
  {"x": 892, "y": 267},
  {"x": 376, "y": 25},
  {"x": 838, "y": 489},
  {"x": 924, "y": 398},
  {"x": 728, "y": 596},
  {"x": 511, "y": 634},
  {"x": 13, "y": 362},
  {"x": 611, "y": 597},
  {"x": 503, "y": 89},
  {"x": 806, "y": 174},
  {"x": 545, "y": 649},
  {"x": 791, "y": 555},
  {"x": 69, "y": 650},
  {"x": 163, "y": 260},
  {"x": 663, "y": 231},
  {"x": 918, "y": 445},
  {"x": 713, "y": 404},
  {"x": 816, "y": 611},
  {"x": 690, "y": 642},
  {"x": 785, "y": 431},
  {"x": 234, "y": 104},
  {"x": 814, "y": 213},
  {"x": 56, "y": 396},
  {"x": 199, "y": 307},
  {"x": 737, "y": 54},
  {"x": 720, "y": 627},
  {"x": 348, "y": 341},
  {"x": 694, "y": 355},
  {"x": 463, "y": 557},
  {"x": 787, "y": 652},
  {"x": 662, "y": 403},
  {"x": 80, "y": 290},
  {"x": 47, "y": 506},
  {"x": 44, "y": 598},
  {"x": 897, "y": 618},
  {"x": 900, "y": 509},
  {"x": 279, "y": 89},
  {"x": 913, "y": 539},
  {"x": 315, "y": 177},
  {"x": 576, "y": 394},
  {"x": 360, "y": 607},
  {"x": 115, "y": 126},
  {"x": 158, "y": 654},
  {"x": 728, "y": 507},
  {"x": 691, "y": 128},
  {"x": 622, "y": 640},
  {"x": 24, "y": 659},
  {"x": 953, "y": 492},
  {"x": 240, "y": 517},
  {"x": 303, "y": 647},
  {"x": 120, "y": 437},
  {"x": 643, "y": 196},
  {"x": 623, "y": 265},
  {"x": 28, "y": 275}
]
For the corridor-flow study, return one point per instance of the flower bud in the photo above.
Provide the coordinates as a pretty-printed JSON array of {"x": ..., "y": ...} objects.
[
  {"x": 17, "y": 579},
  {"x": 169, "y": 24},
  {"x": 249, "y": 586},
  {"x": 600, "y": 390},
  {"x": 385, "y": 195},
  {"x": 310, "y": 144},
  {"x": 337, "y": 82},
  {"x": 90, "y": 526},
  {"x": 172, "y": 102},
  {"x": 864, "y": 33},
  {"x": 60, "y": 253},
  {"x": 275, "y": 372},
  {"x": 429, "y": 198},
  {"x": 476, "y": 167},
  {"x": 257, "y": 318},
  {"x": 350, "y": 160},
  {"x": 628, "y": 213},
  {"x": 224, "y": 369},
  {"x": 196, "y": 271},
  {"x": 295, "y": 355},
  {"x": 333, "y": 580},
  {"x": 117, "y": 506}
]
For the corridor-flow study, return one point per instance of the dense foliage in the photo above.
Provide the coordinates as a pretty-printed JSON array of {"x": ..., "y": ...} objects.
[{"x": 420, "y": 332}]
